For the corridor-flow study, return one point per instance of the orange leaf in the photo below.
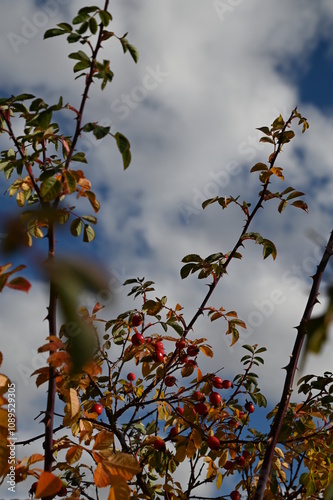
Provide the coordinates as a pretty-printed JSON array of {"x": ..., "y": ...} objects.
[
  {"x": 102, "y": 477},
  {"x": 48, "y": 485},
  {"x": 119, "y": 491},
  {"x": 36, "y": 457},
  {"x": 4, "y": 466},
  {"x": 73, "y": 454},
  {"x": 207, "y": 350},
  {"x": 20, "y": 284},
  {"x": 103, "y": 440},
  {"x": 122, "y": 465}
]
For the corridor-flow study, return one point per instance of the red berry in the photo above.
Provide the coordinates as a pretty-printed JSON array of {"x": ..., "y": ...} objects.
[
  {"x": 181, "y": 344},
  {"x": 174, "y": 431},
  {"x": 138, "y": 339},
  {"x": 246, "y": 454},
  {"x": 131, "y": 377},
  {"x": 213, "y": 443},
  {"x": 159, "y": 444},
  {"x": 170, "y": 381},
  {"x": 159, "y": 345},
  {"x": 180, "y": 410},
  {"x": 97, "y": 408},
  {"x": 136, "y": 320},
  {"x": 217, "y": 382},
  {"x": 241, "y": 414},
  {"x": 249, "y": 407},
  {"x": 183, "y": 357},
  {"x": 240, "y": 461},
  {"x": 62, "y": 492},
  {"x": 234, "y": 495},
  {"x": 229, "y": 465},
  {"x": 198, "y": 396},
  {"x": 158, "y": 356},
  {"x": 201, "y": 409},
  {"x": 226, "y": 384},
  {"x": 192, "y": 350},
  {"x": 215, "y": 398}
]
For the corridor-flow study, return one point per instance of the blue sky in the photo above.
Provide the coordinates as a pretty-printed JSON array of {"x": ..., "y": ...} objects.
[{"x": 205, "y": 80}]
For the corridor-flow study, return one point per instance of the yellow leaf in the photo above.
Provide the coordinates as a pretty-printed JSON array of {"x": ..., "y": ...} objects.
[
  {"x": 122, "y": 465},
  {"x": 180, "y": 454},
  {"x": 73, "y": 454},
  {"x": 190, "y": 451},
  {"x": 48, "y": 485},
  {"x": 223, "y": 458},
  {"x": 279, "y": 452},
  {"x": 207, "y": 350},
  {"x": 3, "y": 383},
  {"x": 197, "y": 438},
  {"x": 74, "y": 402},
  {"x": 36, "y": 457},
  {"x": 119, "y": 491},
  {"x": 219, "y": 480}
]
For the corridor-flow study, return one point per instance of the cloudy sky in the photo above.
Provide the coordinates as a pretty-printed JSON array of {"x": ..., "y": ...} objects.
[{"x": 209, "y": 73}]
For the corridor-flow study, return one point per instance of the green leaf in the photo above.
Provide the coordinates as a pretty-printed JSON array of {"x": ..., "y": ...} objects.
[
  {"x": 23, "y": 97},
  {"x": 81, "y": 157},
  {"x": 278, "y": 123},
  {"x": 65, "y": 26},
  {"x": 248, "y": 348},
  {"x": 265, "y": 130},
  {"x": 73, "y": 37},
  {"x": 89, "y": 218},
  {"x": 126, "y": 159},
  {"x": 259, "y": 166},
  {"x": 186, "y": 270},
  {"x": 266, "y": 139},
  {"x": 44, "y": 119},
  {"x": 295, "y": 194},
  {"x": 100, "y": 132},
  {"x": 76, "y": 227},
  {"x": 81, "y": 65},
  {"x": 54, "y": 32},
  {"x": 208, "y": 202},
  {"x": 134, "y": 52},
  {"x": 93, "y": 26},
  {"x": 80, "y": 56},
  {"x": 122, "y": 142},
  {"x": 192, "y": 257},
  {"x": 176, "y": 326},
  {"x": 88, "y": 233},
  {"x": 50, "y": 189},
  {"x": 81, "y": 18},
  {"x": 105, "y": 17},
  {"x": 282, "y": 206},
  {"x": 269, "y": 249}
]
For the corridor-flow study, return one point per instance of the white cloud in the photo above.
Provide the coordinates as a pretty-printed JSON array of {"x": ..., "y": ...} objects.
[{"x": 217, "y": 80}]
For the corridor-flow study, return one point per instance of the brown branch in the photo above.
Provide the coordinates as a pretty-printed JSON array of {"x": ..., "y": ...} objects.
[
  {"x": 291, "y": 371},
  {"x": 89, "y": 80}
]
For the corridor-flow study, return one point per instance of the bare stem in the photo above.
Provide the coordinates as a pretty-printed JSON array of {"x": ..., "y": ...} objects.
[{"x": 291, "y": 371}]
